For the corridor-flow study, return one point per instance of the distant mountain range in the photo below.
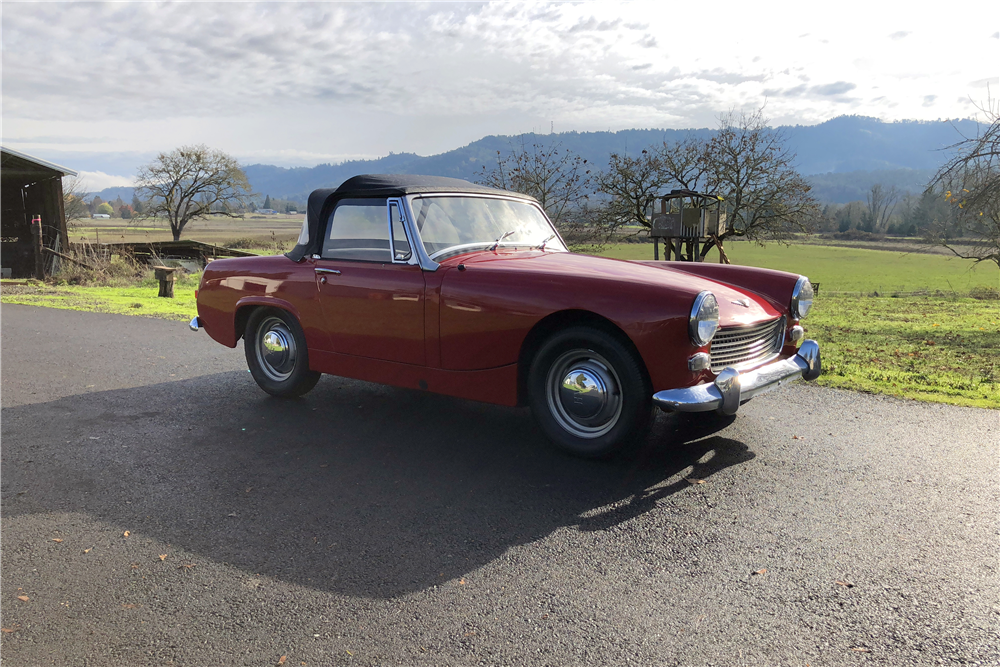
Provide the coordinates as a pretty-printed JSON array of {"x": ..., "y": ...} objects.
[{"x": 842, "y": 157}]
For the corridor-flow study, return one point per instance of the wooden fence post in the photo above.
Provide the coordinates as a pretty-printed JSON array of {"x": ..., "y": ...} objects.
[{"x": 37, "y": 245}]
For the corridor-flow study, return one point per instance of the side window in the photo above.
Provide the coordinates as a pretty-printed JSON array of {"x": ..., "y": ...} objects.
[
  {"x": 400, "y": 246},
  {"x": 358, "y": 230}
]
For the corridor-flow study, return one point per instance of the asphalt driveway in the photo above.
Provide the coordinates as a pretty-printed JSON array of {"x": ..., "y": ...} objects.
[{"x": 159, "y": 509}]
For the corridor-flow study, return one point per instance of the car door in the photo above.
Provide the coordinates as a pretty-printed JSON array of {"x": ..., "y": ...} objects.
[{"x": 370, "y": 289}]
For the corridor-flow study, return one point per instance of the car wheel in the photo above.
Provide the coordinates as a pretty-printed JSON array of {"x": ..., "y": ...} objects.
[
  {"x": 589, "y": 393},
  {"x": 276, "y": 353}
]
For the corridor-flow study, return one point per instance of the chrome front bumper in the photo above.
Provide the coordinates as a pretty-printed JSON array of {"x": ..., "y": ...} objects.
[{"x": 731, "y": 388}]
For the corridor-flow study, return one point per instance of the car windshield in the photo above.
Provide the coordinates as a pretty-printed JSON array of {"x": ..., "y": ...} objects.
[{"x": 451, "y": 224}]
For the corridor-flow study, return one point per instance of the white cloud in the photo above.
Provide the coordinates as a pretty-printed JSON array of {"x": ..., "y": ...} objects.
[
  {"x": 95, "y": 181},
  {"x": 291, "y": 81}
]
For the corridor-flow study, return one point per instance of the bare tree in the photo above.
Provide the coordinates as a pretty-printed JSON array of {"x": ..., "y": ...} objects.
[
  {"x": 881, "y": 202},
  {"x": 74, "y": 198},
  {"x": 555, "y": 176},
  {"x": 192, "y": 181},
  {"x": 750, "y": 166},
  {"x": 746, "y": 163},
  {"x": 631, "y": 186},
  {"x": 970, "y": 181},
  {"x": 685, "y": 164}
]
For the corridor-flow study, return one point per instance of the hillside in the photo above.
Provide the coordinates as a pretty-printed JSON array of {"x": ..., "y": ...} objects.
[{"x": 843, "y": 157}]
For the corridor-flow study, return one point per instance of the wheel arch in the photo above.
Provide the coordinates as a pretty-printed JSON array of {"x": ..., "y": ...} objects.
[
  {"x": 247, "y": 305},
  {"x": 555, "y": 322}
]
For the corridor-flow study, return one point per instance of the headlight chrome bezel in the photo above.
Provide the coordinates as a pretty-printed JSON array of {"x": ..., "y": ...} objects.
[
  {"x": 802, "y": 298},
  {"x": 705, "y": 311}
]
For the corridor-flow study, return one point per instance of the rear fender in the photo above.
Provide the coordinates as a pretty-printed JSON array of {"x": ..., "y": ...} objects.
[{"x": 246, "y": 305}]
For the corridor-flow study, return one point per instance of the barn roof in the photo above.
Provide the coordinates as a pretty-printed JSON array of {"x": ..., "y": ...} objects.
[{"x": 15, "y": 163}]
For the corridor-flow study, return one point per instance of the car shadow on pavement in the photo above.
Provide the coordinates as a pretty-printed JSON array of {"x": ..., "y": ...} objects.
[{"x": 355, "y": 488}]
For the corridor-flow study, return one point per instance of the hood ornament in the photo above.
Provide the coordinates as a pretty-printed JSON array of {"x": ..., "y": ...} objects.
[{"x": 741, "y": 302}]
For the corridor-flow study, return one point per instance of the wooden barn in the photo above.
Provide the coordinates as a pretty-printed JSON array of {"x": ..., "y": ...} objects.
[{"x": 30, "y": 188}]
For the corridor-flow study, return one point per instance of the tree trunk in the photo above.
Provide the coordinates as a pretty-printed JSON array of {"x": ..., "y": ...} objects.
[{"x": 723, "y": 257}]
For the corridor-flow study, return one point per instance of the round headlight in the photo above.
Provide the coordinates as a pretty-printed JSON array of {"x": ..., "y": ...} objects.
[
  {"x": 704, "y": 320},
  {"x": 802, "y": 298}
]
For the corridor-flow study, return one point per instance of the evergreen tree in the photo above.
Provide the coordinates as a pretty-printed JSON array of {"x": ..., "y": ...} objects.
[{"x": 267, "y": 201}]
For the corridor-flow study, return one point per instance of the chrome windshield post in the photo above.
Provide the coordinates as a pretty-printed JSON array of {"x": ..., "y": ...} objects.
[{"x": 409, "y": 222}]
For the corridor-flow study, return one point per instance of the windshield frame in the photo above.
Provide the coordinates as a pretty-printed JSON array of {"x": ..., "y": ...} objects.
[{"x": 431, "y": 264}]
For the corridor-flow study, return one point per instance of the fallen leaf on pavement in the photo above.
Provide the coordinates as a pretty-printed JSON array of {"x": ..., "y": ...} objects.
[
  {"x": 57, "y": 539},
  {"x": 126, "y": 534},
  {"x": 163, "y": 556},
  {"x": 762, "y": 570},
  {"x": 129, "y": 605},
  {"x": 186, "y": 566},
  {"x": 87, "y": 551},
  {"x": 861, "y": 650},
  {"x": 798, "y": 437},
  {"x": 282, "y": 659},
  {"x": 8, "y": 630},
  {"x": 23, "y": 598},
  {"x": 845, "y": 584},
  {"x": 461, "y": 582},
  {"x": 692, "y": 480}
]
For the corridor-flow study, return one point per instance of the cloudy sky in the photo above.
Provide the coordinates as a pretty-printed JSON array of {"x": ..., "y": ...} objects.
[{"x": 103, "y": 87}]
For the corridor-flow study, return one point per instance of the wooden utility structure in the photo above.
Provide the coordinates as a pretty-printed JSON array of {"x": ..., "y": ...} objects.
[
  {"x": 686, "y": 229},
  {"x": 33, "y": 219},
  {"x": 153, "y": 252}
]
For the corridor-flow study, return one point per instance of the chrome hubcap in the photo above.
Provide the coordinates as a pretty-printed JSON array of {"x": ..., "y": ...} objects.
[
  {"x": 275, "y": 349},
  {"x": 584, "y": 393}
]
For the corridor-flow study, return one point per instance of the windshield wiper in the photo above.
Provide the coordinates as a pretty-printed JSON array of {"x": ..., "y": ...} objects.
[
  {"x": 541, "y": 246},
  {"x": 496, "y": 243}
]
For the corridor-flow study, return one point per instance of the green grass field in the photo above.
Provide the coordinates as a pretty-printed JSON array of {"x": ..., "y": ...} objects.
[
  {"x": 927, "y": 348},
  {"x": 849, "y": 269},
  {"x": 140, "y": 299}
]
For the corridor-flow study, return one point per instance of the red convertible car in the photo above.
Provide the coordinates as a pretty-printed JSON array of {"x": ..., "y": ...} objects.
[{"x": 440, "y": 285}]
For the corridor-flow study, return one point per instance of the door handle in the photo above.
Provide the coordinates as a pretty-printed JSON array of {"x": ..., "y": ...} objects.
[{"x": 333, "y": 271}]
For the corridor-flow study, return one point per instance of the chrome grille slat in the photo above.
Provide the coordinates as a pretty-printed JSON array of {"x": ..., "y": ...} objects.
[
  {"x": 745, "y": 348},
  {"x": 742, "y": 347}
]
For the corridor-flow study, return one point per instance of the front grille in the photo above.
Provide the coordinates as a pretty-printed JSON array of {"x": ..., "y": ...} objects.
[{"x": 742, "y": 347}]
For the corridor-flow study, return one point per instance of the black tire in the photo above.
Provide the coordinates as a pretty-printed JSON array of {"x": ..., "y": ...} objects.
[
  {"x": 589, "y": 392},
  {"x": 276, "y": 353}
]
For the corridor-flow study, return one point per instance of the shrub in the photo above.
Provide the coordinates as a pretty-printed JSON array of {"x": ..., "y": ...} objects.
[
  {"x": 98, "y": 266},
  {"x": 984, "y": 293}
]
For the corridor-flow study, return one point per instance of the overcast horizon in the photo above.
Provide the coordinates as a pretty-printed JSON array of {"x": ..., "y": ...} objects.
[{"x": 96, "y": 88}]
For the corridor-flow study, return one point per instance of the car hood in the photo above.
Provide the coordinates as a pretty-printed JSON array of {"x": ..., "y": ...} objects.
[{"x": 738, "y": 306}]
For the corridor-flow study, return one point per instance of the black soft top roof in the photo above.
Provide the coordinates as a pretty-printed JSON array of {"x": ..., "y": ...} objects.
[
  {"x": 397, "y": 185},
  {"x": 322, "y": 201}
]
